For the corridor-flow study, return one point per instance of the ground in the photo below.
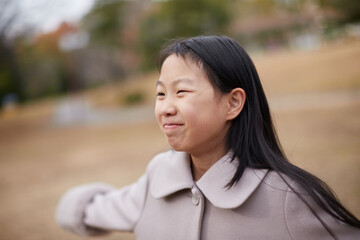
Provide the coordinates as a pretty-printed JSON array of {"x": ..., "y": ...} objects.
[{"x": 315, "y": 101}]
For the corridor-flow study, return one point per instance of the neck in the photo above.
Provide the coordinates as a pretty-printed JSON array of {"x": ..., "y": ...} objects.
[{"x": 200, "y": 163}]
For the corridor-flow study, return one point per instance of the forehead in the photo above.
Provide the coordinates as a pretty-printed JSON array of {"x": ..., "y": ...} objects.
[
  {"x": 176, "y": 68},
  {"x": 177, "y": 81}
]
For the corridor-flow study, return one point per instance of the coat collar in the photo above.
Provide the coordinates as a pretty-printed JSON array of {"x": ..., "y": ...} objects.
[{"x": 174, "y": 174}]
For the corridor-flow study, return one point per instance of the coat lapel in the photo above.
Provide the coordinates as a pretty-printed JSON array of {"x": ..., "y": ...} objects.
[
  {"x": 213, "y": 183},
  {"x": 173, "y": 174}
]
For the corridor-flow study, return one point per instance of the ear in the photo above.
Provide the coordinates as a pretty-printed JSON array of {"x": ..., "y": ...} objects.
[{"x": 236, "y": 101}]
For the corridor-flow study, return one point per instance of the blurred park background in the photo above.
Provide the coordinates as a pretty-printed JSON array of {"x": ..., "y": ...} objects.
[{"x": 77, "y": 91}]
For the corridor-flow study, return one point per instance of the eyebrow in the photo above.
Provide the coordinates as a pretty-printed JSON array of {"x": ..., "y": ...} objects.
[{"x": 177, "y": 81}]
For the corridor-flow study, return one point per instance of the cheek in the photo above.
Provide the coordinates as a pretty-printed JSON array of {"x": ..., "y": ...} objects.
[
  {"x": 196, "y": 117},
  {"x": 157, "y": 113},
  {"x": 207, "y": 117}
]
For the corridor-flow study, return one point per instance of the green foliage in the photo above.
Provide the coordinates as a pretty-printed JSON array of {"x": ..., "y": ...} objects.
[
  {"x": 134, "y": 98},
  {"x": 40, "y": 70},
  {"x": 105, "y": 23},
  {"x": 5, "y": 82},
  {"x": 11, "y": 81},
  {"x": 180, "y": 18},
  {"x": 349, "y": 10}
]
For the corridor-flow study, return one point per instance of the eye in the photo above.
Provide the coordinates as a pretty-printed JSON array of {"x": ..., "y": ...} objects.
[
  {"x": 160, "y": 94},
  {"x": 181, "y": 91}
]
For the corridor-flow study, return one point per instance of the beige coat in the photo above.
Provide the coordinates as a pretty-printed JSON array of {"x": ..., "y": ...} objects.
[{"x": 166, "y": 203}]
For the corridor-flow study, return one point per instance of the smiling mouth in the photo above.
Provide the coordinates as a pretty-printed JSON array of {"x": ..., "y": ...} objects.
[{"x": 171, "y": 126}]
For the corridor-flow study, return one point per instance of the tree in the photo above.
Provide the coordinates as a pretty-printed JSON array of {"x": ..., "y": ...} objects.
[
  {"x": 10, "y": 78},
  {"x": 349, "y": 10},
  {"x": 105, "y": 23},
  {"x": 180, "y": 18}
]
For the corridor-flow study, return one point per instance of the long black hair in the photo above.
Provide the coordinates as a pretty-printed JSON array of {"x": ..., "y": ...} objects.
[{"x": 252, "y": 136}]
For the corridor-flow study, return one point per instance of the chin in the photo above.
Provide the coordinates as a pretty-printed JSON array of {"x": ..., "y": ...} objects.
[{"x": 176, "y": 146}]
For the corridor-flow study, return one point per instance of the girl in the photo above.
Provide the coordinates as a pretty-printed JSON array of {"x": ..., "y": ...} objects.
[{"x": 226, "y": 177}]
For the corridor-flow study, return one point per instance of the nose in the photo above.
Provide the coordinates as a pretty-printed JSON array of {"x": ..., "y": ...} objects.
[{"x": 166, "y": 108}]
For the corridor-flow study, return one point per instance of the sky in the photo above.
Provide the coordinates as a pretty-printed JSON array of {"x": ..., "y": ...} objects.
[
  {"x": 44, "y": 15},
  {"x": 47, "y": 15}
]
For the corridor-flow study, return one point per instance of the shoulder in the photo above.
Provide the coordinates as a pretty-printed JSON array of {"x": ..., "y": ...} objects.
[
  {"x": 277, "y": 182},
  {"x": 302, "y": 214},
  {"x": 304, "y": 217}
]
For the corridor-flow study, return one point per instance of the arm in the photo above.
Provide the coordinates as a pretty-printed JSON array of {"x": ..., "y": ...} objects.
[
  {"x": 117, "y": 210},
  {"x": 71, "y": 208},
  {"x": 95, "y": 209}
]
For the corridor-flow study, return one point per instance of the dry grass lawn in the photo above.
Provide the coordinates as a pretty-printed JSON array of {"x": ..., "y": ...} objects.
[{"x": 40, "y": 161}]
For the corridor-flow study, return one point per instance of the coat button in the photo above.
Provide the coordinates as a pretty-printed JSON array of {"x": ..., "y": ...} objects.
[{"x": 195, "y": 199}]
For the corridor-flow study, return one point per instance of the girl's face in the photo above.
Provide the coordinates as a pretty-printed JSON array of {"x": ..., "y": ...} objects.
[{"x": 189, "y": 112}]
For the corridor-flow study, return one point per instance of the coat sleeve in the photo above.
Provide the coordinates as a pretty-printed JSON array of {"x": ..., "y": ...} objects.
[
  {"x": 117, "y": 210},
  {"x": 70, "y": 210},
  {"x": 98, "y": 208},
  {"x": 302, "y": 224}
]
